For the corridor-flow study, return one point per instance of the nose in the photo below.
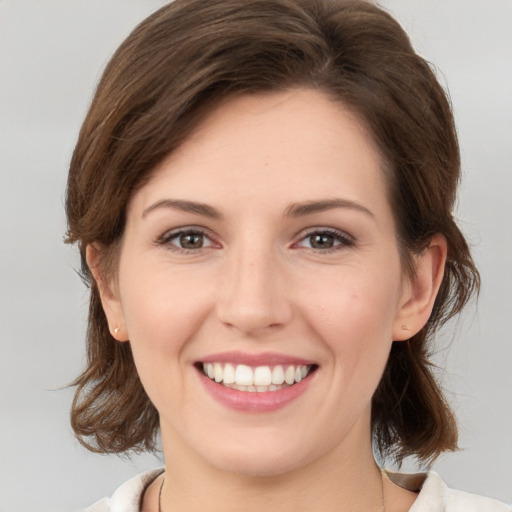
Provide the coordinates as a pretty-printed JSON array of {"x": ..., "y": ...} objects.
[{"x": 252, "y": 294}]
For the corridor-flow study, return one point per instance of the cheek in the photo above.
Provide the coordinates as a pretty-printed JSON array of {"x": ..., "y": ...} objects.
[
  {"x": 359, "y": 304},
  {"x": 162, "y": 313},
  {"x": 355, "y": 315},
  {"x": 162, "y": 306}
]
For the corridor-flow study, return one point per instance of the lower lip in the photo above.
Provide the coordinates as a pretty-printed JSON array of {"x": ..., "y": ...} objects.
[{"x": 256, "y": 402}]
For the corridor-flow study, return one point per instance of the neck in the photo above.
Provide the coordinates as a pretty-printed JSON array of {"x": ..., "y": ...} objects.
[{"x": 340, "y": 480}]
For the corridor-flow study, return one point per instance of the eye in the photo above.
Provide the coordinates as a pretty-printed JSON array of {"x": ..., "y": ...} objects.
[
  {"x": 186, "y": 240},
  {"x": 190, "y": 240},
  {"x": 325, "y": 240}
]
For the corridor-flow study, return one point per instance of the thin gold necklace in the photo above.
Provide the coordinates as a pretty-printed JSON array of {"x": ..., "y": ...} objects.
[
  {"x": 160, "y": 494},
  {"x": 382, "y": 476}
]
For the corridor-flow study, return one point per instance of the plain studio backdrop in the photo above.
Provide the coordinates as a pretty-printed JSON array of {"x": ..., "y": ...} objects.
[{"x": 52, "y": 54}]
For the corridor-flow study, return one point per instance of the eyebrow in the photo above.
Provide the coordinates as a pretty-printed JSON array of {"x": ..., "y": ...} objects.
[
  {"x": 184, "y": 206},
  {"x": 310, "y": 207},
  {"x": 294, "y": 210}
]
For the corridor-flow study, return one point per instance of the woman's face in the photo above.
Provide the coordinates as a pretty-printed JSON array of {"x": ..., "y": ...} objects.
[{"x": 263, "y": 249}]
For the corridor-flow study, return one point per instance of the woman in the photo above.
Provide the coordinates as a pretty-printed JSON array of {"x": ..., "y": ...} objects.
[{"x": 262, "y": 193}]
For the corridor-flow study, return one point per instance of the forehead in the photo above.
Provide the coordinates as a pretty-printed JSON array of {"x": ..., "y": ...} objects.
[{"x": 281, "y": 146}]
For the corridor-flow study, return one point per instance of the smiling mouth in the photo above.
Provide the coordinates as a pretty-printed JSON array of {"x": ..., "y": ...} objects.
[{"x": 257, "y": 379}]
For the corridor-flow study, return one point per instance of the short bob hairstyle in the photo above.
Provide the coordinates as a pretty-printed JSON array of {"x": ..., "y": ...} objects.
[{"x": 170, "y": 72}]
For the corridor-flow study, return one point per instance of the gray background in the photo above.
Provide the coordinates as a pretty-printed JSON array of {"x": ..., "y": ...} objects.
[{"x": 52, "y": 53}]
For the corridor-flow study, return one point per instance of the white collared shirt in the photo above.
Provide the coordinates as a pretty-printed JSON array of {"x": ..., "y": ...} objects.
[{"x": 434, "y": 495}]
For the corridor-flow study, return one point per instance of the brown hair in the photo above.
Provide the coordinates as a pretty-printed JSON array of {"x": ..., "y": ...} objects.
[{"x": 177, "y": 65}]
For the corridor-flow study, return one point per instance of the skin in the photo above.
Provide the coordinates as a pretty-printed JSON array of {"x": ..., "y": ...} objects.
[{"x": 259, "y": 283}]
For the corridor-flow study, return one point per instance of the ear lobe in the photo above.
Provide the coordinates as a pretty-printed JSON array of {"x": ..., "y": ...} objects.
[
  {"x": 108, "y": 293},
  {"x": 420, "y": 293}
]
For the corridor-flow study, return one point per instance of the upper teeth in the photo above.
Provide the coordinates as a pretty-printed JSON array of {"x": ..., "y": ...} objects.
[{"x": 243, "y": 375}]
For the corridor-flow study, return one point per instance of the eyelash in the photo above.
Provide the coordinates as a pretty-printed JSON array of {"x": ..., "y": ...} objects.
[
  {"x": 167, "y": 238},
  {"x": 343, "y": 240}
]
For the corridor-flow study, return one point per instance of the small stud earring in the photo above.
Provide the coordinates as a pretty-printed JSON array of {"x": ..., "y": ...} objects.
[{"x": 116, "y": 330}]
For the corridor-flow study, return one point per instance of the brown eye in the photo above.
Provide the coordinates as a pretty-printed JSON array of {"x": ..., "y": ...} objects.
[
  {"x": 186, "y": 240},
  {"x": 321, "y": 241},
  {"x": 191, "y": 240},
  {"x": 326, "y": 240}
]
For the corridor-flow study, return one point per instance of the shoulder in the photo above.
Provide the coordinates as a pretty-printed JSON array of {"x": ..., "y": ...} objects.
[
  {"x": 102, "y": 505},
  {"x": 436, "y": 496},
  {"x": 127, "y": 498}
]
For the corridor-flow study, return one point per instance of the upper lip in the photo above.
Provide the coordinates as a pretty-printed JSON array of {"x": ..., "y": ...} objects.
[{"x": 261, "y": 359}]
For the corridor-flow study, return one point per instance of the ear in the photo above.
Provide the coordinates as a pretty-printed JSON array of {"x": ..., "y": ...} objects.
[
  {"x": 420, "y": 292},
  {"x": 108, "y": 291}
]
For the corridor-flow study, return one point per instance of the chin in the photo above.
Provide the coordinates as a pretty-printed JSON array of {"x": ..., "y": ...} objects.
[
  {"x": 259, "y": 459},
  {"x": 260, "y": 466}
]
